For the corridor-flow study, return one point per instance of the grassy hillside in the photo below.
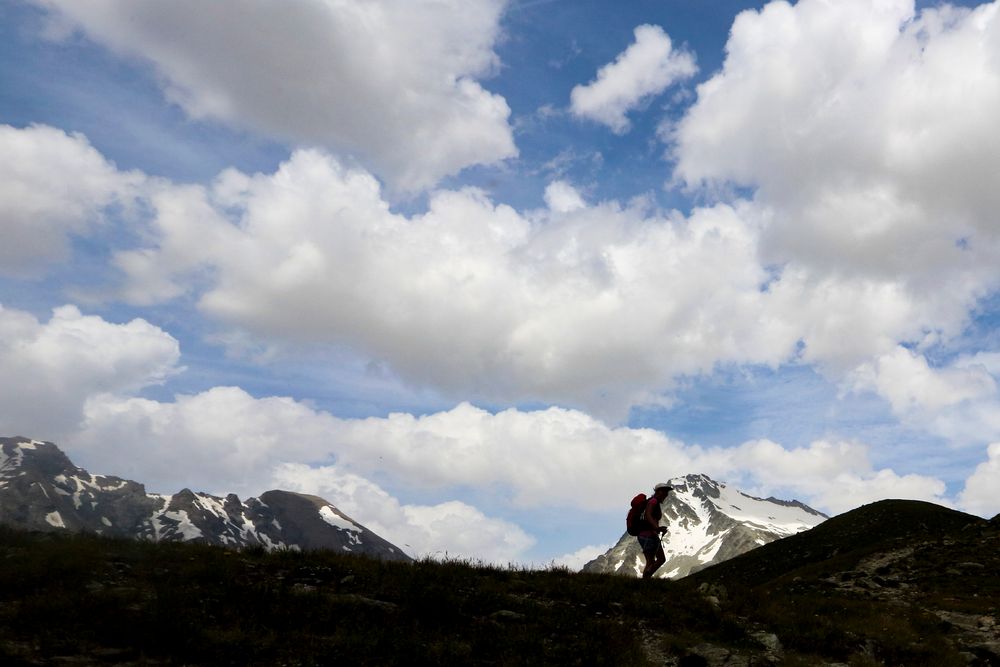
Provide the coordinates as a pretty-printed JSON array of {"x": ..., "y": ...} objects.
[
  {"x": 908, "y": 596},
  {"x": 896, "y": 582},
  {"x": 121, "y": 601},
  {"x": 838, "y": 543}
]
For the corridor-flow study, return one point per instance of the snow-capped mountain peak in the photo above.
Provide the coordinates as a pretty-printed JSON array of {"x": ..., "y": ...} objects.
[
  {"x": 41, "y": 489},
  {"x": 708, "y": 522}
]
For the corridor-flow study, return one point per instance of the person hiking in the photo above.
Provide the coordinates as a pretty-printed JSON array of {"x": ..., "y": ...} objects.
[{"x": 649, "y": 536}]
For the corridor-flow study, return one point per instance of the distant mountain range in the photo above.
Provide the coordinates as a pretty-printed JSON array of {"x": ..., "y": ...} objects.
[
  {"x": 709, "y": 522},
  {"x": 41, "y": 489}
]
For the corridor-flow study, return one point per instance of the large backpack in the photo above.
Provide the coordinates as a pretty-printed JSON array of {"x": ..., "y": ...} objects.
[{"x": 635, "y": 521}]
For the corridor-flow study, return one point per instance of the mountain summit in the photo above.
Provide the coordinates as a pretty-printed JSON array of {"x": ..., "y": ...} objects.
[
  {"x": 41, "y": 489},
  {"x": 709, "y": 522}
]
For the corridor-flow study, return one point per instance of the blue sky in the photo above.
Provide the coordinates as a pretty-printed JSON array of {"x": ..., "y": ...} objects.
[{"x": 502, "y": 264}]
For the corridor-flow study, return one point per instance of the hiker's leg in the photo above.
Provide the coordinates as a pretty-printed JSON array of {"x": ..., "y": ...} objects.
[
  {"x": 651, "y": 566},
  {"x": 656, "y": 560}
]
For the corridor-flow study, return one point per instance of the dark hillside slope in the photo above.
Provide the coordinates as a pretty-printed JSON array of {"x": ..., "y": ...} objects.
[
  {"x": 907, "y": 583},
  {"x": 842, "y": 541},
  {"x": 78, "y": 599}
]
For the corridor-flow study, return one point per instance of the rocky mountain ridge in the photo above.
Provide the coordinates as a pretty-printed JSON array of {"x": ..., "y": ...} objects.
[
  {"x": 709, "y": 522},
  {"x": 41, "y": 489}
]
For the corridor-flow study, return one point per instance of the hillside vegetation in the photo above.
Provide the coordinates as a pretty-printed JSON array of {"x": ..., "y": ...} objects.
[
  {"x": 63, "y": 598},
  {"x": 893, "y": 583}
]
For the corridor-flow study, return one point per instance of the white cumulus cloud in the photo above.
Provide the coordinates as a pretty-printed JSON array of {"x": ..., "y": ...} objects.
[
  {"x": 592, "y": 305},
  {"x": 562, "y": 197},
  {"x": 867, "y": 130},
  {"x": 220, "y": 440},
  {"x": 910, "y": 384},
  {"x": 599, "y": 306},
  {"x": 477, "y": 468},
  {"x": 832, "y": 476},
  {"x": 958, "y": 401},
  {"x": 643, "y": 70},
  {"x": 472, "y": 298},
  {"x": 576, "y": 560},
  {"x": 392, "y": 82},
  {"x": 52, "y": 368},
  {"x": 53, "y": 185},
  {"x": 980, "y": 493},
  {"x": 451, "y": 529},
  {"x": 226, "y": 440}
]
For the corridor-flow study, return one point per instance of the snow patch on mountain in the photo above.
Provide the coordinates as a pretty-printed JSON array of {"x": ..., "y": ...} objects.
[
  {"x": 770, "y": 515},
  {"x": 41, "y": 489},
  {"x": 175, "y": 524},
  {"x": 709, "y": 522},
  {"x": 331, "y": 516}
]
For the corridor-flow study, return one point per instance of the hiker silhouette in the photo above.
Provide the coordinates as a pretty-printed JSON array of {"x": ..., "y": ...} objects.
[{"x": 650, "y": 530}]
